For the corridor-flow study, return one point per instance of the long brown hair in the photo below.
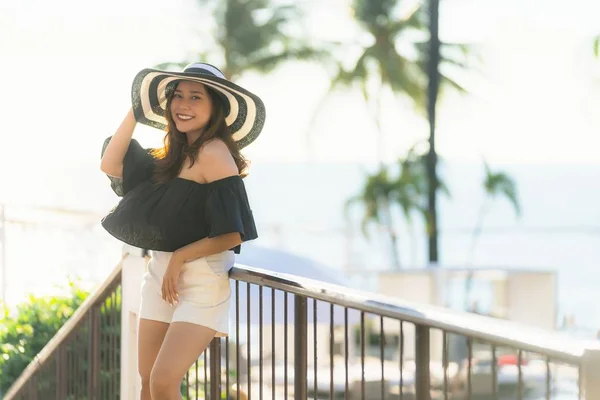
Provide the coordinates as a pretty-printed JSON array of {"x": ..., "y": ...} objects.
[{"x": 170, "y": 158}]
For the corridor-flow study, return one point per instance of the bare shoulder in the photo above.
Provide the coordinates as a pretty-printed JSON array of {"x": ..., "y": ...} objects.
[{"x": 216, "y": 162}]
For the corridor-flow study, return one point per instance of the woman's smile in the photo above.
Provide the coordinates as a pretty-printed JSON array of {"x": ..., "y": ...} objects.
[{"x": 183, "y": 117}]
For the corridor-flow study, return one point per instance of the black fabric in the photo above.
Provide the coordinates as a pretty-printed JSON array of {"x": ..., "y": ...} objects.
[
  {"x": 166, "y": 217},
  {"x": 138, "y": 167}
]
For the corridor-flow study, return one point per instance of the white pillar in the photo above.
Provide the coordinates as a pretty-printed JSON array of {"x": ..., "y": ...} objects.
[
  {"x": 134, "y": 267},
  {"x": 591, "y": 374},
  {"x": 522, "y": 287}
]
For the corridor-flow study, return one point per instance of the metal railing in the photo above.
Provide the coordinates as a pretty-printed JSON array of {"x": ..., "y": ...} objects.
[
  {"x": 82, "y": 361},
  {"x": 356, "y": 345},
  {"x": 344, "y": 344}
]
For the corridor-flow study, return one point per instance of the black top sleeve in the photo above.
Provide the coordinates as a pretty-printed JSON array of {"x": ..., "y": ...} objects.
[
  {"x": 138, "y": 167},
  {"x": 228, "y": 210}
]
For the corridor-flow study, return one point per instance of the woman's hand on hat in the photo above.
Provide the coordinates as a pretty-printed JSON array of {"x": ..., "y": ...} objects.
[{"x": 170, "y": 279}]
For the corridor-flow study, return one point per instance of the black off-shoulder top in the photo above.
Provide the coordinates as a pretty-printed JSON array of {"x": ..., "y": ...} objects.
[{"x": 167, "y": 216}]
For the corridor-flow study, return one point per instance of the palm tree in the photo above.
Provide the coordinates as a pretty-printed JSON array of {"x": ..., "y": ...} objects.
[
  {"x": 382, "y": 191},
  {"x": 436, "y": 54},
  {"x": 495, "y": 184},
  {"x": 393, "y": 59},
  {"x": 407, "y": 67},
  {"x": 415, "y": 188},
  {"x": 377, "y": 197},
  {"x": 252, "y": 35}
]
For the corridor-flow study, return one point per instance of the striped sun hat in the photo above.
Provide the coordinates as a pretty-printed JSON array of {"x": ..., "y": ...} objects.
[{"x": 245, "y": 112}]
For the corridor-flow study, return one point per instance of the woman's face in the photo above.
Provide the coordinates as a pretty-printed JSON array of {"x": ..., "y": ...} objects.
[{"x": 191, "y": 107}]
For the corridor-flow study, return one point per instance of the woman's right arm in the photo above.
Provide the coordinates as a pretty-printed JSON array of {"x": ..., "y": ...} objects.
[{"x": 112, "y": 160}]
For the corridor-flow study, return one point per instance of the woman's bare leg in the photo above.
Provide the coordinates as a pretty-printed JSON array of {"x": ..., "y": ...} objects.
[
  {"x": 183, "y": 344},
  {"x": 150, "y": 338}
]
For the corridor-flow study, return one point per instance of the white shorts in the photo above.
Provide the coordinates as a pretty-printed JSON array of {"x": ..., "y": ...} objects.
[{"x": 203, "y": 290}]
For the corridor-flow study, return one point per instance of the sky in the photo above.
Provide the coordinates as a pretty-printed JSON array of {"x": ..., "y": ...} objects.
[{"x": 68, "y": 67}]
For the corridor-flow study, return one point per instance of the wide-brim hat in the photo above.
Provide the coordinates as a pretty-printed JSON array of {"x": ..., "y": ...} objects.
[{"x": 245, "y": 111}]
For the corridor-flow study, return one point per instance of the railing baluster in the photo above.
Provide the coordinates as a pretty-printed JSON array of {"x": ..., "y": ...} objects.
[
  {"x": 76, "y": 366},
  {"x": 83, "y": 359},
  {"x": 248, "y": 343},
  {"x": 71, "y": 366},
  {"x": 116, "y": 376},
  {"x": 362, "y": 355},
  {"x": 494, "y": 373},
  {"x": 187, "y": 384},
  {"x": 260, "y": 342},
  {"x": 331, "y": 348},
  {"x": 300, "y": 346},
  {"x": 227, "y": 367},
  {"x": 548, "y": 379},
  {"x": 422, "y": 380},
  {"x": 401, "y": 360},
  {"x": 237, "y": 340},
  {"x": 469, "y": 368},
  {"x": 111, "y": 379},
  {"x": 57, "y": 362},
  {"x": 104, "y": 351},
  {"x": 382, "y": 355},
  {"x": 520, "y": 370},
  {"x": 445, "y": 362},
  {"x": 273, "y": 342},
  {"x": 315, "y": 347},
  {"x": 91, "y": 357},
  {"x": 285, "y": 345},
  {"x": 64, "y": 349},
  {"x": 215, "y": 369},
  {"x": 580, "y": 392},
  {"x": 346, "y": 392},
  {"x": 75, "y": 372},
  {"x": 205, "y": 373},
  {"x": 196, "y": 377}
]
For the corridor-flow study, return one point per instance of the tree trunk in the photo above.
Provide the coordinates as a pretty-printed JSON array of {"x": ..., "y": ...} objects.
[
  {"x": 393, "y": 236},
  {"x": 433, "y": 74},
  {"x": 395, "y": 255},
  {"x": 380, "y": 134},
  {"x": 476, "y": 233},
  {"x": 483, "y": 210}
]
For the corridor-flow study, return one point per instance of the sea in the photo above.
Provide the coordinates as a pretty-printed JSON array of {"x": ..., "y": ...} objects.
[{"x": 53, "y": 232}]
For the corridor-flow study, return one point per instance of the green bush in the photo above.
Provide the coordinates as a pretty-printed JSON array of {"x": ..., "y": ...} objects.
[{"x": 28, "y": 330}]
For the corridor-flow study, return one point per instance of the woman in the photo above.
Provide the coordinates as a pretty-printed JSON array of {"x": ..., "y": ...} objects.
[{"x": 187, "y": 203}]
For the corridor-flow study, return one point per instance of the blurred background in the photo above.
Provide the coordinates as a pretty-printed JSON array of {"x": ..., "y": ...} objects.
[{"x": 343, "y": 170}]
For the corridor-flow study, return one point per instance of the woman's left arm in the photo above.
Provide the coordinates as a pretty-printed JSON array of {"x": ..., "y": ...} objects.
[
  {"x": 214, "y": 162},
  {"x": 201, "y": 248},
  {"x": 207, "y": 246}
]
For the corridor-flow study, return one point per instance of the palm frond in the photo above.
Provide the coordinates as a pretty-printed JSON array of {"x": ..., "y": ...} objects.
[
  {"x": 253, "y": 35},
  {"x": 446, "y": 82},
  {"x": 406, "y": 78},
  {"x": 501, "y": 184},
  {"x": 373, "y": 13},
  {"x": 416, "y": 19},
  {"x": 268, "y": 62},
  {"x": 358, "y": 73},
  {"x": 374, "y": 195},
  {"x": 509, "y": 190},
  {"x": 451, "y": 54}
]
